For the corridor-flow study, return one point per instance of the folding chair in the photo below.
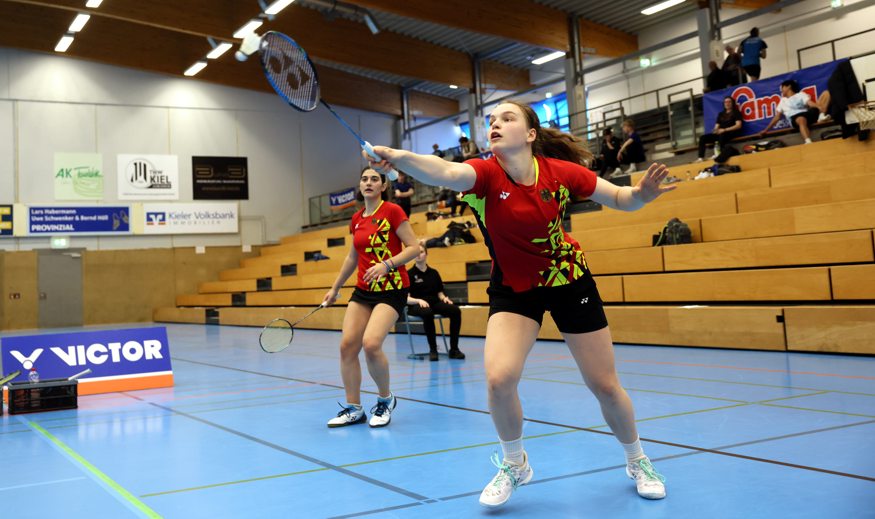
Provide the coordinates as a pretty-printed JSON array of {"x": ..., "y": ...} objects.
[{"x": 406, "y": 319}]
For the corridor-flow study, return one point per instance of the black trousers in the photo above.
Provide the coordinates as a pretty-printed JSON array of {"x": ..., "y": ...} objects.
[
  {"x": 710, "y": 138},
  {"x": 427, "y": 314}
]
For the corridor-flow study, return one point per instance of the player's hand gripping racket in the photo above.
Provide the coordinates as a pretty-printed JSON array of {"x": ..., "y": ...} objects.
[
  {"x": 293, "y": 76},
  {"x": 277, "y": 335}
]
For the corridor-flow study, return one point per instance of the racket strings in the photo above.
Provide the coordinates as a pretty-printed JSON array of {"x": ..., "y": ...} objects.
[
  {"x": 276, "y": 336},
  {"x": 290, "y": 71}
]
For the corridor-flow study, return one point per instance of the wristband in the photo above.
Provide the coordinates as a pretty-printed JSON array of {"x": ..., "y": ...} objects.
[
  {"x": 388, "y": 268},
  {"x": 392, "y": 263}
]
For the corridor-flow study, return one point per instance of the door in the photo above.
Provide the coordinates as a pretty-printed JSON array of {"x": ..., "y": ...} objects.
[{"x": 59, "y": 282}]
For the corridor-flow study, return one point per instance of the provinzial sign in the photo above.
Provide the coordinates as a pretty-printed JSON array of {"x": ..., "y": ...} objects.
[
  {"x": 191, "y": 218},
  {"x": 342, "y": 199},
  {"x": 759, "y": 100},
  {"x": 148, "y": 177},
  {"x": 220, "y": 178},
  {"x": 78, "y": 176},
  {"x": 79, "y": 220},
  {"x": 120, "y": 360},
  {"x": 6, "y": 220}
]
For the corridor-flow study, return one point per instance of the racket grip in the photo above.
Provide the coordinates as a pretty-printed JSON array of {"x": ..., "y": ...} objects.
[{"x": 391, "y": 174}]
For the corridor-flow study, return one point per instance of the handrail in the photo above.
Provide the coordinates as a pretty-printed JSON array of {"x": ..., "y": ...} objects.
[{"x": 831, "y": 43}]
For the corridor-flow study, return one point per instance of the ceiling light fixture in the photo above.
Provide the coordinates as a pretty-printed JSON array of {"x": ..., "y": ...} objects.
[
  {"x": 64, "y": 43},
  {"x": 248, "y": 29},
  {"x": 194, "y": 69},
  {"x": 79, "y": 22},
  {"x": 371, "y": 23},
  {"x": 662, "y": 6},
  {"x": 454, "y": 86},
  {"x": 277, "y": 6},
  {"x": 94, "y": 4},
  {"x": 218, "y": 50},
  {"x": 548, "y": 95},
  {"x": 644, "y": 62},
  {"x": 548, "y": 57}
]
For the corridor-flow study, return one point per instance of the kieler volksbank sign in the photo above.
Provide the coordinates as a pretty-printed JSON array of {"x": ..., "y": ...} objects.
[
  {"x": 120, "y": 360},
  {"x": 190, "y": 218}
]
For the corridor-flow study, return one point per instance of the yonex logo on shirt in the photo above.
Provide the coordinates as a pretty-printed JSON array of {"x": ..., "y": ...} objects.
[
  {"x": 584, "y": 301},
  {"x": 504, "y": 195}
]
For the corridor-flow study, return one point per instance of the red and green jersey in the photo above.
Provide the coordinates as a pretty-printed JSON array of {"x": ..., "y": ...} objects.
[
  {"x": 522, "y": 225},
  {"x": 375, "y": 241}
]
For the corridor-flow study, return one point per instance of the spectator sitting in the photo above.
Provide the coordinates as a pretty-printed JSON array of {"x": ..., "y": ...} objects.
[
  {"x": 427, "y": 298},
  {"x": 752, "y": 49},
  {"x": 403, "y": 192},
  {"x": 469, "y": 149},
  {"x": 437, "y": 151},
  {"x": 716, "y": 78},
  {"x": 632, "y": 150},
  {"x": 732, "y": 67},
  {"x": 798, "y": 108},
  {"x": 608, "y": 154},
  {"x": 727, "y": 127}
]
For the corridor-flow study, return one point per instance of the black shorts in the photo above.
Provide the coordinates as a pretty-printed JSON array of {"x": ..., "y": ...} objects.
[
  {"x": 811, "y": 115},
  {"x": 575, "y": 308},
  {"x": 753, "y": 70},
  {"x": 397, "y": 299}
]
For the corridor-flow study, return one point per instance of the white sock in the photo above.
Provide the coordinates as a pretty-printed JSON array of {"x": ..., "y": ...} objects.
[
  {"x": 513, "y": 450},
  {"x": 807, "y": 141},
  {"x": 633, "y": 451}
]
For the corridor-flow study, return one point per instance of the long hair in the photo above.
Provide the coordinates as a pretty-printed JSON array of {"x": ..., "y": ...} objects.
[
  {"x": 553, "y": 143},
  {"x": 384, "y": 194},
  {"x": 735, "y": 109}
]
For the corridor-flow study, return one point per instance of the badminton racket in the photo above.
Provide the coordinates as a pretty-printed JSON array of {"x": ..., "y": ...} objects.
[
  {"x": 277, "y": 335},
  {"x": 293, "y": 76},
  {"x": 7, "y": 378}
]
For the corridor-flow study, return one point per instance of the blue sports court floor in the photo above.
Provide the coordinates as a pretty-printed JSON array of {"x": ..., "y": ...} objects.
[{"x": 737, "y": 434}]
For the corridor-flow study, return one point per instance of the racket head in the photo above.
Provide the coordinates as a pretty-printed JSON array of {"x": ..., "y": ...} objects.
[
  {"x": 289, "y": 71},
  {"x": 276, "y": 336}
]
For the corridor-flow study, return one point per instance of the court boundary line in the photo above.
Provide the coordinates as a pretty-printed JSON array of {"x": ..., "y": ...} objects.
[{"x": 120, "y": 493}]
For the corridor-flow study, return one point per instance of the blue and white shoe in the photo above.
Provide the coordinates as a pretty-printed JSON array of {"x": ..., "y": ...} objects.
[
  {"x": 348, "y": 415},
  {"x": 381, "y": 414},
  {"x": 650, "y": 484},
  {"x": 509, "y": 477}
]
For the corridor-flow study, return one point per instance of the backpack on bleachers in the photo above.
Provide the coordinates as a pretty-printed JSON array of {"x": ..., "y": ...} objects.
[
  {"x": 675, "y": 232},
  {"x": 764, "y": 146}
]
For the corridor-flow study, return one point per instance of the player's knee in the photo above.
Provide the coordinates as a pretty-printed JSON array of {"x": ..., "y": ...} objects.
[
  {"x": 349, "y": 349},
  {"x": 606, "y": 390},
  {"x": 372, "y": 346},
  {"x": 501, "y": 384}
]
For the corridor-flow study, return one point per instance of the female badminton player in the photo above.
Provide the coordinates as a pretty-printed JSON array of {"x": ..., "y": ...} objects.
[
  {"x": 519, "y": 198},
  {"x": 383, "y": 241}
]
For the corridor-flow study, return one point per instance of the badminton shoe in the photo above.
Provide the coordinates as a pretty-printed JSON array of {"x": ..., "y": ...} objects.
[
  {"x": 509, "y": 477},
  {"x": 381, "y": 414},
  {"x": 349, "y": 415},
  {"x": 650, "y": 484}
]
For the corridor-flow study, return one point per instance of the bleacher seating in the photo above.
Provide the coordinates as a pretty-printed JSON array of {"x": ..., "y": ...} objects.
[{"x": 780, "y": 252}]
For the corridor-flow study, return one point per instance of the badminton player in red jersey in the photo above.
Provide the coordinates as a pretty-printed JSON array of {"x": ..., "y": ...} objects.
[
  {"x": 519, "y": 197},
  {"x": 383, "y": 241}
]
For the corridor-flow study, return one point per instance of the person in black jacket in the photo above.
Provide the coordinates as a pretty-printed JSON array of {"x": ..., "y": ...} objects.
[
  {"x": 427, "y": 298},
  {"x": 726, "y": 128}
]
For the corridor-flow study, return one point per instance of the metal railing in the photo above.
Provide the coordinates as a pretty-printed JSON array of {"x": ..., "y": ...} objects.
[{"x": 832, "y": 46}]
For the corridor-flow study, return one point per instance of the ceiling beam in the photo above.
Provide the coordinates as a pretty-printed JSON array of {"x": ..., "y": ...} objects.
[
  {"x": 427, "y": 105},
  {"x": 340, "y": 40},
  {"x": 518, "y": 20},
  {"x": 747, "y": 4},
  {"x": 116, "y": 42}
]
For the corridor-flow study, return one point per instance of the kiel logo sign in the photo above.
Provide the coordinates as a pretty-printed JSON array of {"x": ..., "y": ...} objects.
[{"x": 109, "y": 353}]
